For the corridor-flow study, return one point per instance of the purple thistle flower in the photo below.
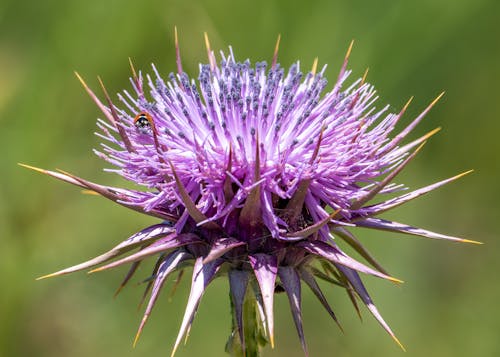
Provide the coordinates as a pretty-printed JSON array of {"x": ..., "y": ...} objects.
[{"x": 256, "y": 174}]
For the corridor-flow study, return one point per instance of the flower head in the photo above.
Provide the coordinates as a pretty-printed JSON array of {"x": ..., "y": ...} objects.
[{"x": 257, "y": 173}]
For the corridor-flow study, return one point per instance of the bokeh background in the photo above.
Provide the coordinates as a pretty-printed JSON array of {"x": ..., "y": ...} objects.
[{"x": 449, "y": 303}]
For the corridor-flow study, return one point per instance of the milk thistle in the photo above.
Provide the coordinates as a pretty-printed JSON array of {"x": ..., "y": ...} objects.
[{"x": 255, "y": 174}]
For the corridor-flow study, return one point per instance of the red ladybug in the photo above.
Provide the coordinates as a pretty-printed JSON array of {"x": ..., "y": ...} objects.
[{"x": 143, "y": 122}]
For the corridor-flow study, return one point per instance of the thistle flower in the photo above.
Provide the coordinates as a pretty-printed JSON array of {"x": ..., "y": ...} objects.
[{"x": 256, "y": 174}]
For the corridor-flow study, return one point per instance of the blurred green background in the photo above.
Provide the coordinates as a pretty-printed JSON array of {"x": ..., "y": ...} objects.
[{"x": 449, "y": 303}]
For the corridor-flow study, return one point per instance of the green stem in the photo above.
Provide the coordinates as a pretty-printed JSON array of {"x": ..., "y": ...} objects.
[{"x": 252, "y": 330}]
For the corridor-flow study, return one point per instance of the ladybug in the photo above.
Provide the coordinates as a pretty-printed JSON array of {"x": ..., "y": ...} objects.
[{"x": 144, "y": 123}]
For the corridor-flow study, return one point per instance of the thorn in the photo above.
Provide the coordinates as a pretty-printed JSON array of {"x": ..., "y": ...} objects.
[
  {"x": 115, "y": 118},
  {"x": 405, "y": 107},
  {"x": 97, "y": 101},
  {"x": 37, "y": 169},
  {"x": 344, "y": 67},
  {"x": 314, "y": 66},
  {"x": 132, "y": 68},
  {"x": 363, "y": 79},
  {"x": 348, "y": 53},
  {"x": 47, "y": 276},
  {"x": 82, "y": 81},
  {"x": 431, "y": 133},
  {"x": 64, "y": 172},
  {"x": 462, "y": 174},
  {"x": 211, "y": 59},
  {"x": 437, "y": 99},
  {"x": 117, "y": 292},
  {"x": 395, "y": 280},
  {"x": 176, "y": 285},
  {"x": 110, "y": 104},
  {"x": 470, "y": 241},
  {"x": 313, "y": 71},
  {"x": 177, "y": 51},
  {"x": 276, "y": 49},
  {"x": 399, "y": 343},
  {"x": 357, "y": 204},
  {"x": 137, "y": 82},
  {"x": 138, "y": 334},
  {"x": 90, "y": 192}
]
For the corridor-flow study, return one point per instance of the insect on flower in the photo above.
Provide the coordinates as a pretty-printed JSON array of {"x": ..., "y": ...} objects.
[
  {"x": 143, "y": 122},
  {"x": 257, "y": 174}
]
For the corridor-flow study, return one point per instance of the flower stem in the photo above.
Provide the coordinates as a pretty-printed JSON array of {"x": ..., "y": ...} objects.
[{"x": 253, "y": 332}]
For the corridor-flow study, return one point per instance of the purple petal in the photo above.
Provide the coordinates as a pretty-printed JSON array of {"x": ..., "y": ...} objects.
[
  {"x": 238, "y": 282},
  {"x": 265, "y": 268},
  {"x": 202, "y": 276},
  {"x": 391, "y": 226},
  {"x": 147, "y": 235},
  {"x": 170, "y": 263},
  {"x": 291, "y": 283},
  {"x": 336, "y": 256}
]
